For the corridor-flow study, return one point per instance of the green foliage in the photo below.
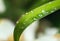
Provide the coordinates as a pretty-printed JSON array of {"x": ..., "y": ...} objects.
[
  {"x": 31, "y": 10},
  {"x": 34, "y": 15}
]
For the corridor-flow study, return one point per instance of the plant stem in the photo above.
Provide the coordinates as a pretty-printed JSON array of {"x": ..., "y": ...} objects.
[{"x": 34, "y": 15}]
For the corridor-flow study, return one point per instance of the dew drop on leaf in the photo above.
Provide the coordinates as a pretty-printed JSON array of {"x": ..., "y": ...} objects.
[
  {"x": 40, "y": 15},
  {"x": 26, "y": 13},
  {"x": 31, "y": 11},
  {"x": 35, "y": 18}
]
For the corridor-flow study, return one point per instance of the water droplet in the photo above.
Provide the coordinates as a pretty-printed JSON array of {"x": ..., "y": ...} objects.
[
  {"x": 32, "y": 11},
  {"x": 17, "y": 22},
  {"x": 23, "y": 15},
  {"x": 35, "y": 18},
  {"x": 40, "y": 15},
  {"x": 52, "y": 11},
  {"x": 26, "y": 13},
  {"x": 44, "y": 12},
  {"x": 49, "y": 2}
]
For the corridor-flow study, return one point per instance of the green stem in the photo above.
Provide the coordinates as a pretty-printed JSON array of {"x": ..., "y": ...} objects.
[{"x": 34, "y": 15}]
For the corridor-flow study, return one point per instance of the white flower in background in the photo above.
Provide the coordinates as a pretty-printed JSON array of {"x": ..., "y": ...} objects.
[
  {"x": 51, "y": 33},
  {"x": 47, "y": 38},
  {"x": 6, "y": 29},
  {"x": 2, "y": 6}
]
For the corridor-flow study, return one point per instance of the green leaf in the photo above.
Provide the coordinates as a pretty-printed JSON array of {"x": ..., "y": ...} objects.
[{"x": 34, "y": 15}]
